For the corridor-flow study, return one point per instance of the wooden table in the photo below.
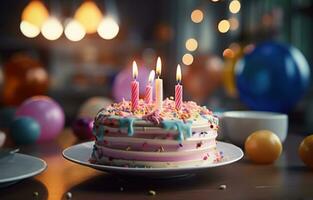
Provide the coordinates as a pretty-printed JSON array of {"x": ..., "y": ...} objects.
[{"x": 288, "y": 178}]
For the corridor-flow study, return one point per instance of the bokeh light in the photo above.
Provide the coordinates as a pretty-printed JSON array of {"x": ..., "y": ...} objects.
[
  {"x": 108, "y": 28},
  {"x": 89, "y": 15},
  {"x": 223, "y": 26},
  {"x": 35, "y": 13},
  {"x": 228, "y": 53},
  {"x": 234, "y": 23},
  {"x": 235, "y": 47},
  {"x": 74, "y": 31},
  {"x": 52, "y": 28},
  {"x": 191, "y": 44},
  {"x": 28, "y": 29},
  {"x": 37, "y": 75},
  {"x": 187, "y": 59},
  {"x": 248, "y": 48},
  {"x": 234, "y": 6},
  {"x": 197, "y": 16},
  {"x": 214, "y": 0}
]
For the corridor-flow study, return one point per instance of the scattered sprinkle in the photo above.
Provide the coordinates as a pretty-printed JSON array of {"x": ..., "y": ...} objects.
[
  {"x": 199, "y": 144},
  {"x": 152, "y": 192},
  {"x": 222, "y": 187},
  {"x": 144, "y": 144},
  {"x": 69, "y": 195},
  {"x": 35, "y": 194},
  {"x": 161, "y": 148}
]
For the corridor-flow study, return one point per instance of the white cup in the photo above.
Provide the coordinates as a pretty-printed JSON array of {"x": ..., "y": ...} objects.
[{"x": 238, "y": 125}]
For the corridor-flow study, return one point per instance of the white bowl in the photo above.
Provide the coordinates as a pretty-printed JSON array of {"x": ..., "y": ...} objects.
[{"x": 238, "y": 125}]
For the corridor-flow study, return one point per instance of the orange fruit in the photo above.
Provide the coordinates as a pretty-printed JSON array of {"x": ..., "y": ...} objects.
[
  {"x": 306, "y": 151},
  {"x": 263, "y": 147}
]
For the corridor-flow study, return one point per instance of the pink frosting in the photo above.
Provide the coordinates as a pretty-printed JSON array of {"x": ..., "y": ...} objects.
[
  {"x": 153, "y": 117},
  {"x": 152, "y": 147},
  {"x": 161, "y": 157}
]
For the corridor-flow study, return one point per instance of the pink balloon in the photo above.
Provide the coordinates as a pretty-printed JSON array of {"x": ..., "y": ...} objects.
[
  {"x": 121, "y": 84},
  {"x": 46, "y": 112}
]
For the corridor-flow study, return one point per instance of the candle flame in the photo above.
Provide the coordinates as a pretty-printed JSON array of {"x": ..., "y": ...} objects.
[
  {"x": 151, "y": 76},
  {"x": 178, "y": 73},
  {"x": 158, "y": 66},
  {"x": 135, "y": 70}
]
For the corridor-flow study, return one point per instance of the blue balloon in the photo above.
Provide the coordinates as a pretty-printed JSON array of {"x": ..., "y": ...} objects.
[
  {"x": 273, "y": 77},
  {"x": 25, "y": 130}
]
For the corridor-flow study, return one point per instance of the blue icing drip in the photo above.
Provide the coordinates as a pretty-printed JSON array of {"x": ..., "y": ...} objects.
[
  {"x": 100, "y": 134},
  {"x": 128, "y": 123},
  {"x": 94, "y": 131},
  {"x": 182, "y": 128},
  {"x": 205, "y": 117}
]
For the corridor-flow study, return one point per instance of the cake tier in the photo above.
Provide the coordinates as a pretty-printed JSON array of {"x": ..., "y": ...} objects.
[{"x": 154, "y": 147}]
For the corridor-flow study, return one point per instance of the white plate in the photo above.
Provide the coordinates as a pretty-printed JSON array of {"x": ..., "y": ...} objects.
[
  {"x": 17, "y": 167},
  {"x": 80, "y": 154}
]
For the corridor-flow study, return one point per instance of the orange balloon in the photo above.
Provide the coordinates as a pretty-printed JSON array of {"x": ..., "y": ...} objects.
[
  {"x": 263, "y": 147},
  {"x": 24, "y": 77},
  {"x": 306, "y": 151}
]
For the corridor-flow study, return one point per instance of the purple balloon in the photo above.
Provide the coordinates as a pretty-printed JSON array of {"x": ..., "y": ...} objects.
[
  {"x": 82, "y": 128},
  {"x": 46, "y": 112},
  {"x": 121, "y": 84}
]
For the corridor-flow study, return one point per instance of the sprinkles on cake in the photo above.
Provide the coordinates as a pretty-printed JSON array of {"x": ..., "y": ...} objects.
[{"x": 190, "y": 111}]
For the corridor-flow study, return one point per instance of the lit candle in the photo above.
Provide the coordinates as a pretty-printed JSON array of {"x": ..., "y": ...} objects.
[
  {"x": 135, "y": 88},
  {"x": 158, "y": 86},
  {"x": 148, "y": 93},
  {"x": 178, "y": 89}
]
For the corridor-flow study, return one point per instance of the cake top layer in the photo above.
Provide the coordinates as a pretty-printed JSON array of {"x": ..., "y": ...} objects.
[
  {"x": 190, "y": 116},
  {"x": 190, "y": 111}
]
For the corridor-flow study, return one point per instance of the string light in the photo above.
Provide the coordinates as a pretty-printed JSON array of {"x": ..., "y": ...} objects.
[
  {"x": 223, "y": 26},
  {"x": 52, "y": 29},
  {"x": 28, "y": 29},
  {"x": 89, "y": 15},
  {"x": 197, "y": 16},
  {"x": 187, "y": 59},
  {"x": 234, "y": 6},
  {"x": 191, "y": 44},
  {"x": 108, "y": 28},
  {"x": 35, "y": 13},
  {"x": 74, "y": 31}
]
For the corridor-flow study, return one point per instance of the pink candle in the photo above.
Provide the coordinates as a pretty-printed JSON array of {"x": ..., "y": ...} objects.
[
  {"x": 135, "y": 88},
  {"x": 178, "y": 90},
  {"x": 148, "y": 93}
]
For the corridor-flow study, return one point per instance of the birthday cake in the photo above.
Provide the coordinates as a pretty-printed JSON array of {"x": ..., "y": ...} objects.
[{"x": 148, "y": 137}]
